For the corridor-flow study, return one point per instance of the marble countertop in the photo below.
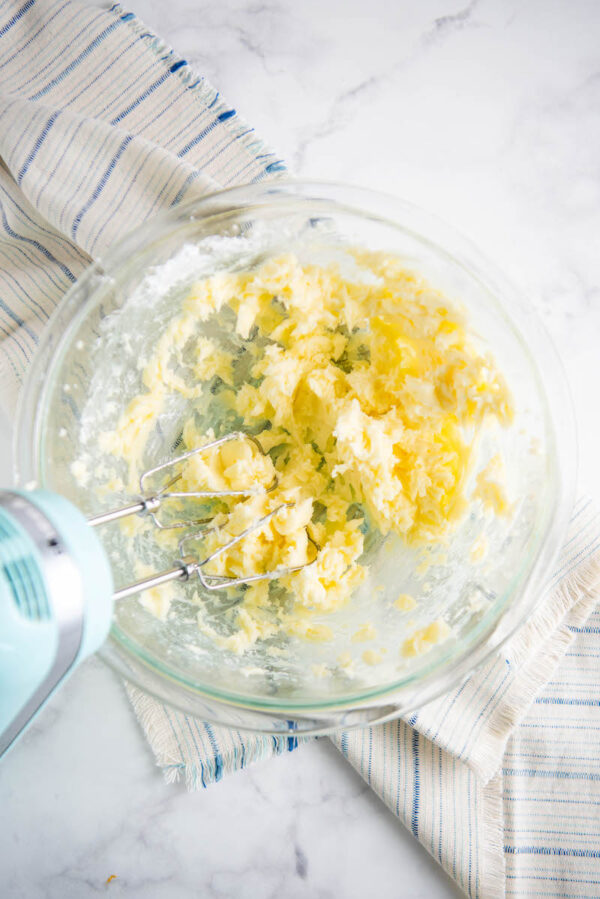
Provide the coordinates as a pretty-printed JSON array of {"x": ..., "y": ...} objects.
[{"x": 486, "y": 113}]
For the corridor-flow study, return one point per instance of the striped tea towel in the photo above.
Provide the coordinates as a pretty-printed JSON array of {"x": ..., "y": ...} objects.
[
  {"x": 499, "y": 779},
  {"x": 101, "y": 126}
]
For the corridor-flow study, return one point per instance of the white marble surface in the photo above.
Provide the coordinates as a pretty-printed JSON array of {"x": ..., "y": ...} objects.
[{"x": 489, "y": 115}]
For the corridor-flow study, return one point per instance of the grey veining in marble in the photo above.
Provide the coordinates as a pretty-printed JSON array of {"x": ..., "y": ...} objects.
[{"x": 487, "y": 113}]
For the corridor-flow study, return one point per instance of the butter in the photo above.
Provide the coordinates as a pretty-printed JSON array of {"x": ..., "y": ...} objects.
[
  {"x": 426, "y": 638},
  {"x": 405, "y": 602},
  {"x": 490, "y": 487},
  {"x": 366, "y": 632},
  {"x": 372, "y": 390},
  {"x": 479, "y": 549},
  {"x": 345, "y": 660},
  {"x": 373, "y": 657}
]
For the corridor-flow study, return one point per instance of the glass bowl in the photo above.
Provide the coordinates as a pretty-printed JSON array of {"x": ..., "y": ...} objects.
[{"x": 85, "y": 372}]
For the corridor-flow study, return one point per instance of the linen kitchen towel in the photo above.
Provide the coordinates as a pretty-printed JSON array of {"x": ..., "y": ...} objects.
[
  {"x": 101, "y": 126},
  {"x": 499, "y": 779}
]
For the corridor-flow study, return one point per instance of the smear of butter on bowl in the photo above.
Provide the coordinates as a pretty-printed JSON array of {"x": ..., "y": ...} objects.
[
  {"x": 373, "y": 657},
  {"x": 426, "y": 638},
  {"x": 490, "y": 487},
  {"x": 405, "y": 602},
  {"x": 367, "y": 632},
  {"x": 479, "y": 549}
]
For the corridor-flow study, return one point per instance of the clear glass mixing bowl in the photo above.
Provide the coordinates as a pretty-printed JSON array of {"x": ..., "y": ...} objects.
[{"x": 85, "y": 372}]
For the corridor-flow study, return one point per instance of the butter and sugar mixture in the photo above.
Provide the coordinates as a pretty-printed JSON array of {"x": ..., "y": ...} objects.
[{"x": 367, "y": 393}]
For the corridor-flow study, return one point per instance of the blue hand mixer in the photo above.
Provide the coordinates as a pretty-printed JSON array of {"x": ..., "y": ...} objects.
[{"x": 56, "y": 584}]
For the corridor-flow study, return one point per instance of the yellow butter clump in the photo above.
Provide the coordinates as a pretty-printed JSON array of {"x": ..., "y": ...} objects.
[
  {"x": 426, "y": 637},
  {"x": 405, "y": 602},
  {"x": 364, "y": 633},
  {"x": 490, "y": 487}
]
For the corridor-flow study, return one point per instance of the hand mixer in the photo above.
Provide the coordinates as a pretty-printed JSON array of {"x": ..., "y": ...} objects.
[{"x": 56, "y": 585}]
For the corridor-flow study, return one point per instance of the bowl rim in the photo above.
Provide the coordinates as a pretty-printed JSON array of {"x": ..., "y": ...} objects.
[{"x": 447, "y": 668}]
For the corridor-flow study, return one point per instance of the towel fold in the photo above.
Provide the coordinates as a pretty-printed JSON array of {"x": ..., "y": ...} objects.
[{"x": 101, "y": 126}]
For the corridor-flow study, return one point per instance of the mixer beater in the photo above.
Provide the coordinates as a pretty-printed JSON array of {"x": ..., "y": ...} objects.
[
  {"x": 187, "y": 566},
  {"x": 56, "y": 584}
]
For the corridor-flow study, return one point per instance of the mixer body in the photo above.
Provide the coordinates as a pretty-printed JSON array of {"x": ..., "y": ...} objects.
[{"x": 55, "y": 601}]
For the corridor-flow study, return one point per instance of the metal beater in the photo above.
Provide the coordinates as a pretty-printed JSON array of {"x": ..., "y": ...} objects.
[
  {"x": 56, "y": 584},
  {"x": 187, "y": 566}
]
